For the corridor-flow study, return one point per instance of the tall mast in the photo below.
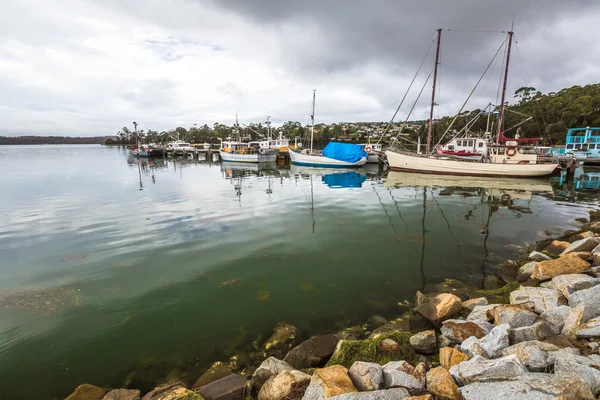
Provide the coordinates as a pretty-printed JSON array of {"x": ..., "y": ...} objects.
[
  {"x": 437, "y": 60},
  {"x": 268, "y": 127},
  {"x": 501, "y": 115},
  {"x": 312, "y": 123}
]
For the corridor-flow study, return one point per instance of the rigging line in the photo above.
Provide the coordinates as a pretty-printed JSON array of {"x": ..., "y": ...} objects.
[
  {"x": 447, "y": 223},
  {"x": 395, "y": 139},
  {"x": 500, "y": 78},
  {"x": 403, "y": 220},
  {"x": 475, "y": 30},
  {"x": 471, "y": 94},
  {"x": 407, "y": 90}
]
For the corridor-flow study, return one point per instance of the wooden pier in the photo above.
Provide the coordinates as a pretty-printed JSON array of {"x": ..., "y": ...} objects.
[{"x": 212, "y": 154}]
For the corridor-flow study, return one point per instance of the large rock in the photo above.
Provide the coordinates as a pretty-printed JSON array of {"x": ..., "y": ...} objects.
[
  {"x": 570, "y": 283},
  {"x": 421, "y": 397},
  {"x": 530, "y": 386},
  {"x": 439, "y": 308},
  {"x": 389, "y": 394},
  {"x": 87, "y": 392},
  {"x": 449, "y": 357},
  {"x": 568, "y": 264},
  {"x": 535, "y": 355},
  {"x": 574, "y": 320},
  {"x": 516, "y": 316},
  {"x": 229, "y": 388},
  {"x": 590, "y": 298},
  {"x": 480, "y": 369},
  {"x": 216, "y": 371},
  {"x": 537, "y": 256},
  {"x": 286, "y": 385},
  {"x": 494, "y": 342},
  {"x": 538, "y": 299},
  {"x": 402, "y": 374},
  {"x": 366, "y": 375},
  {"x": 424, "y": 342},
  {"x": 312, "y": 353},
  {"x": 283, "y": 339},
  {"x": 585, "y": 244},
  {"x": 483, "y": 313},
  {"x": 457, "y": 330},
  {"x": 590, "y": 329},
  {"x": 526, "y": 270},
  {"x": 556, "y": 318},
  {"x": 556, "y": 247},
  {"x": 471, "y": 303},
  {"x": 583, "y": 367},
  {"x": 538, "y": 331},
  {"x": 441, "y": 384},
  {"x": 328, "y": 382},
  {"x": 177, "y": 392},
  {"x": 270, "y": 367},
  {"x": 123, "y": 394}
]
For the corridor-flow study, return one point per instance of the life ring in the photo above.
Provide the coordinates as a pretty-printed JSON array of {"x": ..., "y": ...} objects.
[
  {"x": 511, "y": 152},
  {"x": 368, "y": 149}
]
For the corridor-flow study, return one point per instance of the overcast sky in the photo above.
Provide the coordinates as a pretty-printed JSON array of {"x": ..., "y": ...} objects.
[{"x": 90, "y": 67}]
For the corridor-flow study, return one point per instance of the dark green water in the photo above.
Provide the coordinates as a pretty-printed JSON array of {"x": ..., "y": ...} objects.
[{"x": 107, "y": 264}]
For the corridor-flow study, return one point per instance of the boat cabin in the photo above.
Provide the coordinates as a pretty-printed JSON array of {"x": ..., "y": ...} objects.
[
  {"x": 467, "y": 145},
  {"x": 370, "y": 147},
  {"x": 581, "y": 142},
  {"x": 240, "y": 147},
  {"x": 510, "y": 153}
]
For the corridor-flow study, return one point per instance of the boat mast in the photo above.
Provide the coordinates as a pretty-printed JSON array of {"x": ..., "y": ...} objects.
[
  {"x": 312, "y": 123},
  {"x": 268, "y": 127},
  {"x": 437, "y": 59},
  {"x": 501, "y": 115}
]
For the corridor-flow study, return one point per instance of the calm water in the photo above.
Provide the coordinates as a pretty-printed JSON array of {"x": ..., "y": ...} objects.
[{"x": 108, "y": 263}]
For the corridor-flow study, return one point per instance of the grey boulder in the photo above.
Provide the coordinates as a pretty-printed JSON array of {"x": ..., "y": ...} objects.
[{"x": 480, "y": 369}]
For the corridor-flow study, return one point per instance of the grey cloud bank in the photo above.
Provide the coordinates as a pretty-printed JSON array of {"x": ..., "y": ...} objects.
[{"x": 89, "y": 67}]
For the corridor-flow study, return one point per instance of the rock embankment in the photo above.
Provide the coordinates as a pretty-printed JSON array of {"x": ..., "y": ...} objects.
[{"x": 536, "y": 338}]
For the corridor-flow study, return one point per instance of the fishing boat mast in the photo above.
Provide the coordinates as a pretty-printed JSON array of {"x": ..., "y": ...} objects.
[
  {"x": 268, "y": 127},
  {"x": 501, "y": 114},
  {"x": 312, "y": 123},
  {"x": 437, "y": 58}
]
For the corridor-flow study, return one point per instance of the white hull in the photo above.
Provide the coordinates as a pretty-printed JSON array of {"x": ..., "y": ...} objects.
[
  {"x": 322, "y": 161},
  {"x": 373, "y": 158},
  {"x": 413, "y": 163},
  {"x": 248, "y": 158}
]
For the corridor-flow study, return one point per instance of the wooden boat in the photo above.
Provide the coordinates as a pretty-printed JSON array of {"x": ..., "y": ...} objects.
[{"x": 502, "y": 159}]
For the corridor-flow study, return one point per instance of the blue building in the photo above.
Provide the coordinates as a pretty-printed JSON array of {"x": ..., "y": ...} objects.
[{"x": 583, "y": 143}]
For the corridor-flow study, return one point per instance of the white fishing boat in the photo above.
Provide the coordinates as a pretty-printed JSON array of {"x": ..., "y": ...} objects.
[
  {"x": 179, "y": 147},
  {"x": 501, "y": 159},
  {"x": 241, "y": 152},
  {"x": 334, "y": 155}
]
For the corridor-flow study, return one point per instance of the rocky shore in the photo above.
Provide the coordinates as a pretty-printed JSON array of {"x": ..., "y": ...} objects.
[{"x": 536, "y": 337}]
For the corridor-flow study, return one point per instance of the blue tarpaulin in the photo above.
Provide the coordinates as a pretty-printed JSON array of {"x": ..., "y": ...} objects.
[
  {"x": 344, "y": 152},
  {"x": 348, "y": 179}
]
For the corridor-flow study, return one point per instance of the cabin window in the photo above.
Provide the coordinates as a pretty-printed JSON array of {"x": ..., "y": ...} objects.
[
  {"x": 480, "y": 144},
  {"x": 470, "y": 143},
  {"x": 592, "y": 147},
  {"x": 584, "y": 146},
  {"x": 569, "y": 146},
  {"x": 451, "y": 148},
  {"x": 578, "y": 147},
  {"x": 458, "y": 143}
]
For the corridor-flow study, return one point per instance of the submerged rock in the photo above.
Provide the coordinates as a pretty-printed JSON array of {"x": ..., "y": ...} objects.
[
  {"x": 41, "y": 302},
  {"x": 313, "y": 352},
  {"x": 328, "y": 382},
  {"x": 283, "y": 339},
  {"x": 230, "y": 387},
  {"x": 366, "y": 376},
  {"x": 288, "y": 385},
  {"x": 216, "y": 371},
  {"x": 439, "y": 308},
  {"x": 123, "y": 394},
  {"x": 87, "y": 392},
  {"x": 173, "y": 392}
]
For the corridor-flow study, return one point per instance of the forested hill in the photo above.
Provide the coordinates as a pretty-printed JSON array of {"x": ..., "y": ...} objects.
[
  {"x": 553, "y": 113},
  {"x": 51, "y": 140}
]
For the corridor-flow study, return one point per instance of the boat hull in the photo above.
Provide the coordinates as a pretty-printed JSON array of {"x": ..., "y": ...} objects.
[
  {"x": 248, "y": 158},
  {"x": 373, "y": 158},
  {"x": 426, "y": 165},
  {"x": 308, "y": 160}
]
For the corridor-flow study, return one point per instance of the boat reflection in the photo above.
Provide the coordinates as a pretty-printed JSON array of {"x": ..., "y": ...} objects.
[
  {"x": 334, "y": 178},
  {"x": 234, "y": 169}
]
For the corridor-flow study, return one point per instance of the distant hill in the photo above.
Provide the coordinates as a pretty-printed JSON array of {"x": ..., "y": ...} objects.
[{"x": 4, "y": 140}]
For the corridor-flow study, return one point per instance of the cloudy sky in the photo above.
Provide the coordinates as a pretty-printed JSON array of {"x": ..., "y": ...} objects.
[{"x": 89, "y": 67}]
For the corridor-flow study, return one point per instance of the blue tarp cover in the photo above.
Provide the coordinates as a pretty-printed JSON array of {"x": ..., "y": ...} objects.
[
  {"x": 344, "y": 152},
  {"x": 348, "y": 179}
]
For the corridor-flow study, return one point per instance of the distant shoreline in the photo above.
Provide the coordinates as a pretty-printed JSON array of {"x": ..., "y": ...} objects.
[{"x": 31, "y": 140}]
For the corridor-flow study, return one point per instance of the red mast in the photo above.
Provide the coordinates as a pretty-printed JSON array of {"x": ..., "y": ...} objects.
[
  {"x": 437, "y": 58},
  {"x": 501, "y": 115}
]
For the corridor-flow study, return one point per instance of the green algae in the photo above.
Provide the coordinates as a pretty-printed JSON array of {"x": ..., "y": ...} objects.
[
  {"x": 500, "y": 295},
  {"x": 368, "y": 350}
]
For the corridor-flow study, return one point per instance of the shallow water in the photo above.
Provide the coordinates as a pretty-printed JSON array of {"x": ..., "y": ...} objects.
[{"x": 108, "y": 263}]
